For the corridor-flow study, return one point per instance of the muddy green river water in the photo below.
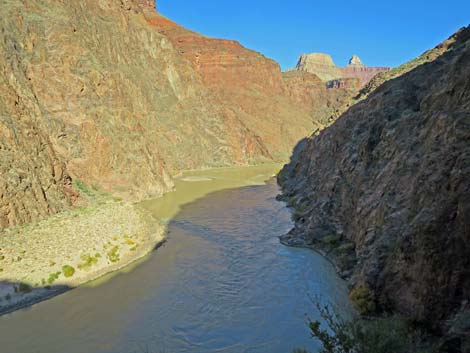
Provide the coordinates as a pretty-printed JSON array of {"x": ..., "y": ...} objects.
[{"x": 221, "y": 283}]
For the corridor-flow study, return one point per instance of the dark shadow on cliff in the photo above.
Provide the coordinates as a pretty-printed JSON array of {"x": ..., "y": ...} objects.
[{"x": 19, "y": 295}]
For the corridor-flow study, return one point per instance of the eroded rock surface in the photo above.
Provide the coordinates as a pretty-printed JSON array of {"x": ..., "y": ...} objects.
[
  {"x": 325, "y": 102},
  {"x": 113, "y": 95},
  {"x": 386, "y": 188}
]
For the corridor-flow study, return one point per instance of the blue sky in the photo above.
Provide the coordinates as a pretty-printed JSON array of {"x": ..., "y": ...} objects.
[{"x": 382, "y": 33}]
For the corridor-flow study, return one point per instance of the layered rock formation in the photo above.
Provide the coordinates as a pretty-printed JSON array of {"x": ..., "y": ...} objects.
[
  {"x": 325, "y": 102},
  {"x": 113, "y": 95},
  {"x": 385, "y": 191},
  {"x": 323, "y": 66},
  {"x": 248, "y": 85},
  {"x": 319, "y": 64}
]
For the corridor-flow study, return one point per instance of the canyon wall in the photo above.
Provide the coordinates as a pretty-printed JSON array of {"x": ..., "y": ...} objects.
[
  {"x": 324, "y": 102},
  {"x": 248, "y": 85},
  {"x": 112, "y": 95},
  {"x": 385, "y": 192}
]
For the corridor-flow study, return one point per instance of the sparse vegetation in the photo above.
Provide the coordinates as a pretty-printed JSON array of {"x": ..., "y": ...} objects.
[
  {"x": 87, "y": 261},
  {"x": 53, "y": 277},
  {"x": 68, "y": 271},
  {"x": 83, "y": 188},
  {"x": 24, "y": 288},
  {"x": 363, "y": 299},
  {"x": 380, "y": 335},
  {"x": 113, "y": 254},
  {"x": 332, "y": 239}
]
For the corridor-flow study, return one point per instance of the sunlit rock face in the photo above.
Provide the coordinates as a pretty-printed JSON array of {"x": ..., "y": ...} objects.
[
  {"x": 319, "y": 64},
  {"x": 355, "y": 61},
  {"x": 114, "y": 95},
  {"x": 323, "y": 66},
  {"x": 325, "y": 101},
  {"x": 390, "y": 180}
]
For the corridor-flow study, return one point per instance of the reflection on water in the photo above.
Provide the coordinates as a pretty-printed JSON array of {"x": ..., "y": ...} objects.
[{"x": 222, "y": 282}]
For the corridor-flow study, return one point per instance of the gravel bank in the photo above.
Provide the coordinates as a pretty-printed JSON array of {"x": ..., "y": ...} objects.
[{"x": 46, "y": 258}]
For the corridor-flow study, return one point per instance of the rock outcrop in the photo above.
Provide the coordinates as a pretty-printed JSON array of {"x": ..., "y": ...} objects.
[
  {"x": 323, "y": 66},
  {"x": 319, "y": 64},
  {"x": 428, "y": 56},
  {"x": 248, "y": 85},
  {"x": 325, "y": 102},
  {"x": 355, "y": 61},
  {"x": 113, "y": 95},
  {"x": 385, "y": 191}
]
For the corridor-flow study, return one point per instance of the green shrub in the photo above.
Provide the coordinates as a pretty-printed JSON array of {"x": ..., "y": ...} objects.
[
  {"x": 53, "y": 277},
  {"x": 363, "y": 299},
  {"x": 331, "y": 239},
  {"x": 113, "y": 254},
  {"x": 384, "y": 335},
  {"x": 24, "y": 288},
  {"x": 68, "y": 271},
  {"x": 88, "y": 262}
]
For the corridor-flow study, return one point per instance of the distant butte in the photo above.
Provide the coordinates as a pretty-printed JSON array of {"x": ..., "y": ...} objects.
[{"x": 323, "y": 66}]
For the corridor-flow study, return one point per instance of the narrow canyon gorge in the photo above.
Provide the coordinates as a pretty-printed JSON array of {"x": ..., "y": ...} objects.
[{"x": 107, "y": 107}]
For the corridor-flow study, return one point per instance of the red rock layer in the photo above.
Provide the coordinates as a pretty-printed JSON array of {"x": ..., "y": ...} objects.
[
  {"x": 248, "y": 84},
  {"x": 364, "y": 74}
]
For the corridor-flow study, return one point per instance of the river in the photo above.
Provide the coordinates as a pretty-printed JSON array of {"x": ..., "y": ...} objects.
[{"x": 222, "y": 282}]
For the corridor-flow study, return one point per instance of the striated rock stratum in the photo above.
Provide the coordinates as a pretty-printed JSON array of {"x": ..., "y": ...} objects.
[
  {"x": 112, "y": 95},
  {"x": 323, "y": 66},
  {"x": 385, "y": 191}
]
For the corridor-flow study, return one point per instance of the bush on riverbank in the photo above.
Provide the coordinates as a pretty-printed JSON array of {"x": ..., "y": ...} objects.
[{"x": 391, "y": 334}]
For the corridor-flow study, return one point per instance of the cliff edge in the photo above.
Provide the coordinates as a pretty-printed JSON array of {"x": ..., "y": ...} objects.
[{"x": 385, "y": 193}]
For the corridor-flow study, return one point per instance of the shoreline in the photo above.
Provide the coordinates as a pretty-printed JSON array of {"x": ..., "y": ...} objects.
[
  {"x": 135, "y": 228},
  {"x": 18, "y": 293},
  {"x": 299, "y": 241}
]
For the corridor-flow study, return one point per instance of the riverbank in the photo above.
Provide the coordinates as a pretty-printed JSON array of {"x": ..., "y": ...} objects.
[
  {"x": 222, "y": 259},
  {"x": 44, "y": 259},
  {"x": 41, "y": 260}
]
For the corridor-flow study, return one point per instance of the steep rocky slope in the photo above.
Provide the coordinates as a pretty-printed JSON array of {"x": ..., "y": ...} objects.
[
  {"x": 248, "y": 85},
  {"x": 324, "y": 102},
  {"x": 385, "y": 192},
  {"x": 428, "y": 56},
  {"x": 109, "y": 94}
]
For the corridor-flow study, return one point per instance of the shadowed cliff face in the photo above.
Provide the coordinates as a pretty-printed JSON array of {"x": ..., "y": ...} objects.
[
  {"x": 114, "y": 95},
  {"x": 392, "y": 177},
  {"x": 325, "y": 103}
]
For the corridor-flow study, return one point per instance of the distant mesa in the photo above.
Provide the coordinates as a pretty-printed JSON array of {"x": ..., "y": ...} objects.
[{"x": 324, "y": 67}]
